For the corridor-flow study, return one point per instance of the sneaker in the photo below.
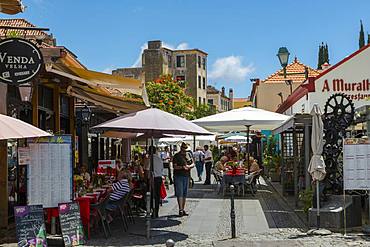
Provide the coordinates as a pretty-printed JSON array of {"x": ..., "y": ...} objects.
[
  {"x": 200, "y": 179},
  {"x": 181, "y": 213},
  {"x": 184, "y": 213}
]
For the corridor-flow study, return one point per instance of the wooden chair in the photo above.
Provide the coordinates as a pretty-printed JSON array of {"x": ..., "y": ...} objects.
[{"x": 250, "y": 181}]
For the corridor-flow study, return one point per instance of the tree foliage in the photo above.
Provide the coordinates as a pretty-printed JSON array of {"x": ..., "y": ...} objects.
[
  {"x": 323, "y": 55},
  {"x": 169, "y": 95},
  {"x": 361, "y": 39},
  {"x": 166, "y": 94}
]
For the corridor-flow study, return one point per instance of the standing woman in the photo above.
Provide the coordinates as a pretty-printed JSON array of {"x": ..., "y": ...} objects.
[
  {"x": 181, "y": 177},
  {"x": 199, "y": 162}
]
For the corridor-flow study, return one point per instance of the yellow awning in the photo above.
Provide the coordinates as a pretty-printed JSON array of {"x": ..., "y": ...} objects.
[
  {"x": 106, "y": 101},
  {"x": 102, "y": 83},
  {"x": 11, "y": 7}
]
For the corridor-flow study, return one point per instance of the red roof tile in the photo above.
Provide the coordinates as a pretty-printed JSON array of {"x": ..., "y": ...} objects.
[
  {"x": 294, "y": 67},
  {"x": 19, "y": 23}
]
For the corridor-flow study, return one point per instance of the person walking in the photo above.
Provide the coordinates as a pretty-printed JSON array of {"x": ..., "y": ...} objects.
[
  {"x": 199, "y": 162},
  {"x": 208, "y": 159},
  {"x": 157, "y": 181},
  {"x": 166, "y": 157},
  {"x": 181, "y": 177}
]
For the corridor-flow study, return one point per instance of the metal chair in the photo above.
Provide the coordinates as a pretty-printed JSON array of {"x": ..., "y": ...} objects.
[{"x": 98, "y": 210}]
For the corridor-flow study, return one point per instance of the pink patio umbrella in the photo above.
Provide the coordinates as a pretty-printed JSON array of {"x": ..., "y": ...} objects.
[{"x": 12, "y": 128}]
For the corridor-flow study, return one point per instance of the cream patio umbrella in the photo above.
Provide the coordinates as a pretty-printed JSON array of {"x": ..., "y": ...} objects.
[
  {"x": 152, "y": 122},
  {"x": 317, "y": 163},
  {"x": 12, "y": 128}
]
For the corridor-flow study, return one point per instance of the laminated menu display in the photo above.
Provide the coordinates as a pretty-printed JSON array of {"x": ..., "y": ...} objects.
[
  {"x": 71, "y": 225},
  {"x": 30, "y": 228},
  {"x": 356, "y": 164},
  {"x": 50, "y": 171}
]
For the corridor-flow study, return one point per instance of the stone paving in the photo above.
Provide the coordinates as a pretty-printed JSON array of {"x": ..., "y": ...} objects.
[{"x": 261, "y": 220}]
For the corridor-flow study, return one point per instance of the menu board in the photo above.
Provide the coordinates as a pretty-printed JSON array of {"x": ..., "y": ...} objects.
[
  {"x": 356, "y": 164},
  {"x": 24, "y": 156},
  {"x": 70, "y": 223},
  {"x": 50, "y": 171},
  {"x": 30, "y": 228}
]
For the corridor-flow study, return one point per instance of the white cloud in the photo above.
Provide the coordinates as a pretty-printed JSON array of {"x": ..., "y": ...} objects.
[
  {"x": 230, "y": 69},
  {"x": 109, "y": 69},
  {"x": 181, "y": 46}
]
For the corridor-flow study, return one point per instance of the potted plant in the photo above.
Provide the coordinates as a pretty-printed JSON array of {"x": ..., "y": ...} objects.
[{"x": 272, "y": 160}]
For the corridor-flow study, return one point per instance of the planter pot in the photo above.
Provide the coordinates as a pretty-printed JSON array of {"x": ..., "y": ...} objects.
[{"x": 275, "y": 177}]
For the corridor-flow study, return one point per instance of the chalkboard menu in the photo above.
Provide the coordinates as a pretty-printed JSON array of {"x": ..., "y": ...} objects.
[
  {"x": 70, "y": 222},
  {"x": 30, "y": 226}
]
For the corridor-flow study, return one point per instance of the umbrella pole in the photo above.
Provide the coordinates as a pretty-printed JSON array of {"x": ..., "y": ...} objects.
[
  {"x": 248, "y": 148},
  {"x": 318, "y": 203},
  {"x": 150, "y": 197}
]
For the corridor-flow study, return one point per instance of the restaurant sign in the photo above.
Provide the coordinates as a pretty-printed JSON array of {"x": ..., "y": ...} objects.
[{"x": 20, "y": 61}]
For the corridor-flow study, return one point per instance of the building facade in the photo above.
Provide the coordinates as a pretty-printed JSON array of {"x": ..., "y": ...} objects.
[
  {"x": 241, "y": 102},
  {"x": 188, "y": 66},
  {"x": 270, "y": 93},
  {"x": 219, "y": 99},
  {"x": 350, "y": 76}
]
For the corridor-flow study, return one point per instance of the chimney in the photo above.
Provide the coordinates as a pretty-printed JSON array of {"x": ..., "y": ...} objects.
[
  {"x": 223, "y": 91},
  {"x": 154, "y": 44},
  {"x": 231, "y": 93},
  {"x": 231, "y": 97}
]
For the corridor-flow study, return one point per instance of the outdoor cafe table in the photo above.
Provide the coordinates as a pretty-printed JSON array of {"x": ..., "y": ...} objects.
[{"x": 237, "y": 178}]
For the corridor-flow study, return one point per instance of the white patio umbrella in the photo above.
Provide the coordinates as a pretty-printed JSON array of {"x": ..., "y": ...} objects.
[
  {"x": 12, "y": 128},
  {"x": 241, "y": 119},
  {"x": 317, "y": 163},
  {"x": 238, "y": 119},
  {"x": 238, "y": 139}
]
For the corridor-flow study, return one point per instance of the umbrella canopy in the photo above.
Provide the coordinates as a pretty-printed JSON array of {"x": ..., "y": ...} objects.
[
  {"x": 236, "y": 120},
  {"x": 152, "y": 122},
  {"x": 11, "y": 7},
  {"x": 12, "y": 128},
  {"x": 317, "y": 164},
  {"x": 239, "y": 139}
]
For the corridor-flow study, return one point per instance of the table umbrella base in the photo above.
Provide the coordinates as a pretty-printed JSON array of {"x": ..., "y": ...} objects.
[{"x": 319, "y": 232}]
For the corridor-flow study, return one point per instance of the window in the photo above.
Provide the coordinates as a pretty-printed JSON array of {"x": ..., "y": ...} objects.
[
  {"x": 180, "y": 61},
  {"x": 169, "y": 60},
  {"x": 204, "y": 63},
  {"x": 199, "y": 100},
  {"x": 199, "y": 81},
  {"x": 204, "y": 101},
  {"x": 64, "y": 114},
  {"x": 204, "y": 83},
  {"x": 46, "y": 108},
  {"x": 210, "y": 101},
  {"x": 199, "y": 62}
]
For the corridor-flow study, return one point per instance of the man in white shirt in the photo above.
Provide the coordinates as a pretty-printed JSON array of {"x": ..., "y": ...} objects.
[
  {"x": 157, "y": 174},
  {"x": 208, "y": 164},
  {"x": 199, "y": 162}
]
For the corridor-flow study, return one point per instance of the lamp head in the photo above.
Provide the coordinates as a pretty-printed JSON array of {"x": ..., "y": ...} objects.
[
  {"x": 283, "y": 55},
  {"x": 86, "y": 113},
  {"x": 289, "y": 82}
]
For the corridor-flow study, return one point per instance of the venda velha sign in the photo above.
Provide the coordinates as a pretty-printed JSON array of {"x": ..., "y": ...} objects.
[{"x": 20, "y": 61}]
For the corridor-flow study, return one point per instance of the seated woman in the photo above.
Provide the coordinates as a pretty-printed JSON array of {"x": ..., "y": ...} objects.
[
  {"x": 119, "y": 189},
  {"x": 253, "y": 165},
  {"x": 220, "y": 165}
]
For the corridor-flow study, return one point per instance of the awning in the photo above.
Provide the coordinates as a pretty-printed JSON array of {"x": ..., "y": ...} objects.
[
  {"x": 107, "y": 101},
  {"x": 102, "y": 83},
  {"x": 11, "y": 7}
]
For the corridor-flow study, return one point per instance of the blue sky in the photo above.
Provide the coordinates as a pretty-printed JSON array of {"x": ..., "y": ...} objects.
[{"x": 241, "y": 37}]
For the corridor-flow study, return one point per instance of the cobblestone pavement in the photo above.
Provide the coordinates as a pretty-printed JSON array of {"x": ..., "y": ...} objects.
[
  {"x": 280, "y": 226},
  {"x": 263, "y": 220}
]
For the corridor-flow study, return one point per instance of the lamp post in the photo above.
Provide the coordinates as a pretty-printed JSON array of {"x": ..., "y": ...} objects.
[
  {"x": 85, "y": 116},
  {"x": 290, "y": 84},
  {"x": 281, "y": 97}
]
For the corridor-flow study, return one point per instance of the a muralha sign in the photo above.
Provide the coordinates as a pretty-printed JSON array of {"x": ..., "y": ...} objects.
[{"x": 20, "y": 61}]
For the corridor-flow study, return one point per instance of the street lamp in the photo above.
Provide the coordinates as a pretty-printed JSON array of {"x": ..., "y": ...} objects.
[
  {"x": 86, "y": 114},
  {"x": 283, "y": 55}
]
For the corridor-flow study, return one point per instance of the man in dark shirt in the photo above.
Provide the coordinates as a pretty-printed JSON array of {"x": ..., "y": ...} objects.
[{"x": 181, "y": 174}]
